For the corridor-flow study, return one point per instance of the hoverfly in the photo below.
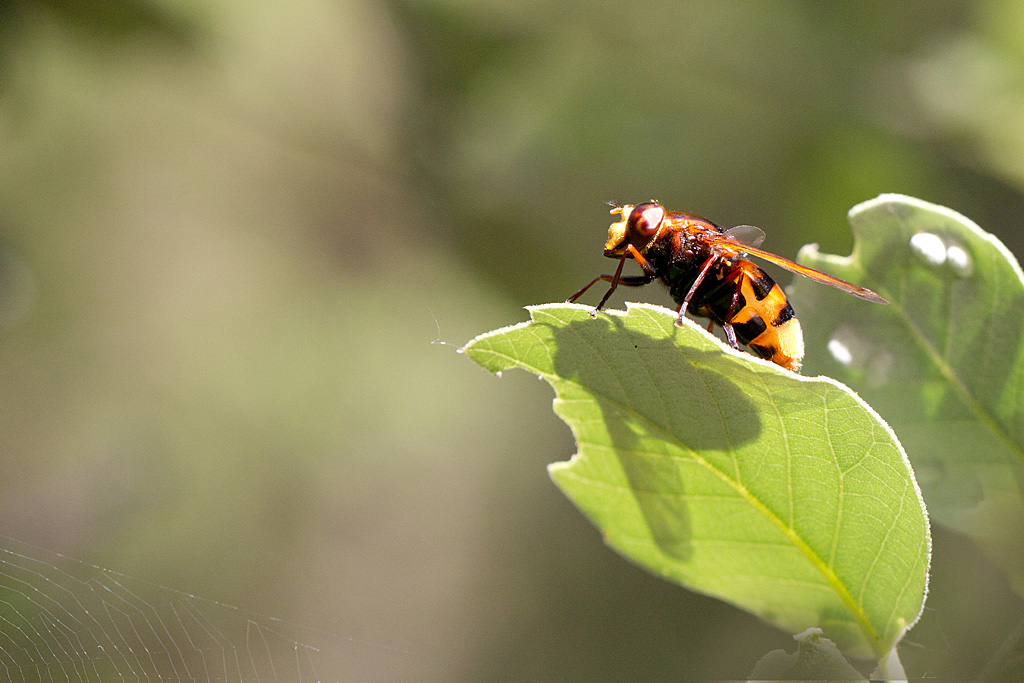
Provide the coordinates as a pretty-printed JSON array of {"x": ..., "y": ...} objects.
[{"x": 706, "y": 271}]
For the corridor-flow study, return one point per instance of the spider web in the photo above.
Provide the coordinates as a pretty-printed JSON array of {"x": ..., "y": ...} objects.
[{"x": 96, "y": 625}]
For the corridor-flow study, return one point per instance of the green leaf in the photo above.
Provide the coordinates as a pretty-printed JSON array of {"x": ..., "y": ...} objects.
[
  {"x": 781, "y": 494},
  {"x": 943, "y": 364}
]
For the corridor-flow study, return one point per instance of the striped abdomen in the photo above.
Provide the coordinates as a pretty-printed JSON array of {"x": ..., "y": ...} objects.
[{"x": 762, "y": 316}]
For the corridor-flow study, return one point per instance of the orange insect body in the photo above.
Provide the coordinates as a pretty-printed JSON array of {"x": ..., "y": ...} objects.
[{"x": 706, "y": 272}]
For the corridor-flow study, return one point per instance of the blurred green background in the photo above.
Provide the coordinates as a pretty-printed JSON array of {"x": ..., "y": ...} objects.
[{"x": 230, "y": 233}]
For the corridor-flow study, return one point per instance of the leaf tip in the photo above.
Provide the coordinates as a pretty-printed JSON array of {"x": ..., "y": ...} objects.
[{"x": 480, "y": 350}]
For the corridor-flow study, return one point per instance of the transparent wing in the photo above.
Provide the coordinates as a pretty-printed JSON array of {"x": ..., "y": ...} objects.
[
  {"x": 747, "y": 235},
  {"x": 811, "y": 273}
]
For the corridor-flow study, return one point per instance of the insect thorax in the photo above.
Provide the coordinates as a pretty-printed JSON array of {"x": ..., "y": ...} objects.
[{"x": 678, "y": 265}]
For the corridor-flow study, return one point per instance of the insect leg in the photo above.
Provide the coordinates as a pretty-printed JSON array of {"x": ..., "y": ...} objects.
[
  {"x": 648, "y": 268},
  {"x": 696, "y": 283},
  {"x": 730, "y": 333},
  {"x": 614, "y": 279},
  {"x": 625, "y": 280},
  {"x": 618, "y": 279},
  {"x": 587, "y": 286},
  {"x": 615, "y": 283},
  {"x": 635, "y": 280}
]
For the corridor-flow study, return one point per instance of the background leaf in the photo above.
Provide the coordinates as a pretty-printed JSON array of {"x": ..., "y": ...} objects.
[
  {"x": 816, "y": 658},
  {"x": 943, "y": 364},
  {"x": 781, "y": 494}
]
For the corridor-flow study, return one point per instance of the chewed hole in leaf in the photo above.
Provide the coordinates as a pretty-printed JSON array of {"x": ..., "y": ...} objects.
[
  {"x": 848, "y": 348},
  {"x": 938, "y": 251},
  {"x": 929, "y": 247},
  {"x": 840, "y": 351},
  {"x": 960, "y": 262},
  {"x": 854, "y": 351}
]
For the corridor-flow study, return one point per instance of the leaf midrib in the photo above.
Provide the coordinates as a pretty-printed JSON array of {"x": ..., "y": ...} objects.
[
  {"x": 981, "y": 413},
  {"x": 830, "y": 576}
]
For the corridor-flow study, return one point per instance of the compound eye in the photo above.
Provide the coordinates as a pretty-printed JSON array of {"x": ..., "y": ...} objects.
[{"x": 645, "y": 219}]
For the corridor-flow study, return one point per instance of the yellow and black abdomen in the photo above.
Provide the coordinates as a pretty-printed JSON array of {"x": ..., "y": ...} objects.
[{"x": 762, "y": 316}]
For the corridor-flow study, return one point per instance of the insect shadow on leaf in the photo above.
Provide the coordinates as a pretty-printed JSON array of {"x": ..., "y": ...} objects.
[{"x": 662, "y": 404}]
